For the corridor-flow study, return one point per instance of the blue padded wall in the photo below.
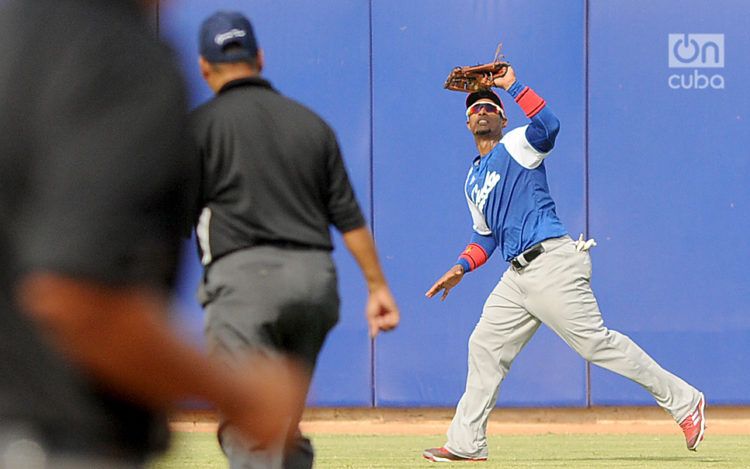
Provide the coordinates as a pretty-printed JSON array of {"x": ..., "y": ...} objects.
[
  {"x": 309, "y": 47},
  {"x": 670, "y": 204},
  {"x": 665, "y": 168},
  {"x": 422, "y": 151}
]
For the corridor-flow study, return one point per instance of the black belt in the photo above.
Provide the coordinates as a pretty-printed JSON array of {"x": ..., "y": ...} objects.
[
  {"x": 284, "y": 244},
  {"x": 525, "y": 258}
]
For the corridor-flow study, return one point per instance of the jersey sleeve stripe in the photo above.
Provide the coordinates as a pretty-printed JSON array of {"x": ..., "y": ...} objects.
[{"x": 521, "y": 150}]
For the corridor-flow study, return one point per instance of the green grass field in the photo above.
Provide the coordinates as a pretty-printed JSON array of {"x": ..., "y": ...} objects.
[{"x": 200, "y": 451}]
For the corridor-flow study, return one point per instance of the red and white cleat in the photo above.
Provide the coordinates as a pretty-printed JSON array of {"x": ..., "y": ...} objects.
[
  {"x": 443, "y": 455},
  {"x": 694, "y": 425}
]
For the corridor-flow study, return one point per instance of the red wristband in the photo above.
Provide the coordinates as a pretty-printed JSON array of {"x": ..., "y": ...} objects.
[
  {"x": 530, "y": 102},
  {"x": 475, "y": 255}
]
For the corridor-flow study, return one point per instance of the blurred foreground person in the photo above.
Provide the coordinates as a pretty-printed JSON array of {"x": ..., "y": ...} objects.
[{"x": 92, "y": 115}]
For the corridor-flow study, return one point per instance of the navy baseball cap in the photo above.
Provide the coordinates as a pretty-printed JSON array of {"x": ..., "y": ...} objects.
[
  {"x": 223, "y": 29},
  {"x": 484, "y": 94}
]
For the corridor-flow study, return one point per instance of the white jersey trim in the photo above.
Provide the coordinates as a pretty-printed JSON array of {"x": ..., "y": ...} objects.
[
  {"x": 201, "y": 231},
  {"x": 521, "y": 150},
  {"x": 480, "y": 224}
]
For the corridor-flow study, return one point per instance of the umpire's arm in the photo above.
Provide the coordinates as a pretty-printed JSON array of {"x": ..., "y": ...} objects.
[
  {"x": 344, "y": 212},
  {"x": 381, "y": 312}
]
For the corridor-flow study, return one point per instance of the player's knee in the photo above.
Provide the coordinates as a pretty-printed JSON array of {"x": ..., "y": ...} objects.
[
  {"x": 590, "y": 346},
  {"x": 587, "y": 353},
  {"x": 479, "y": 343},
  {"x": 474, "y": 341}
]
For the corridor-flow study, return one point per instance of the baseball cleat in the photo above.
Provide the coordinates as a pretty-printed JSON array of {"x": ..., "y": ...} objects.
[
  {"x": 443, "y": 455},
  {"x": 694, "y": 425}
]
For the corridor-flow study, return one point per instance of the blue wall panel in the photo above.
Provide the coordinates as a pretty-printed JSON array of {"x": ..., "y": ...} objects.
[
  {"x": 422, "y": 151},
  {"x": 318, "y": 54},
  {"x": 668, "y": 199},
  {"x": 670, "y": 204}
]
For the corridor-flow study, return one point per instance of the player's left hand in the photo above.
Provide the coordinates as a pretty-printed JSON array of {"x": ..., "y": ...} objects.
[
  {"x": 507, "y": 80},
  {"x": 382, "y": 312},
  {"x": 449, "y": 280}
]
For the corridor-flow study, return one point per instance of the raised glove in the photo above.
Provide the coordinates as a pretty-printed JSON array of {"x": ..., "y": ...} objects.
[
  {"x": 476, "y": 77},
  {"x": 583, "y": 245}
]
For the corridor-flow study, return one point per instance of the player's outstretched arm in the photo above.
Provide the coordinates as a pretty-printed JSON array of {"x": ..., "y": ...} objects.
[
  {"x": 381, "y": 311},
  {"x": 476, "y": 253}
]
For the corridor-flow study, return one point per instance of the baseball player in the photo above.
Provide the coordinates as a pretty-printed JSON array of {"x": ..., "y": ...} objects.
[{"x": 548, "y": 280}]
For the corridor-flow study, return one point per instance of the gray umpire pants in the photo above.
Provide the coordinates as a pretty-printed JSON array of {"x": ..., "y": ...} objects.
[
  {"x": 554, "y": 289},
  {"x": 269, "y": 300}
]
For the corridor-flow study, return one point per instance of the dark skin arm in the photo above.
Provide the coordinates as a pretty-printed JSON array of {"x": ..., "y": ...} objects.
[
  {"x": 381, "y": 311},
  {"x": 119, "y": 336}
]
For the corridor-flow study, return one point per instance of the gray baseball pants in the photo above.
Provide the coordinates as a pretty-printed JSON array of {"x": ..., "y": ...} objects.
[
  {"x": 554, "y": 289},
  {"x": 269, "y": 300}
]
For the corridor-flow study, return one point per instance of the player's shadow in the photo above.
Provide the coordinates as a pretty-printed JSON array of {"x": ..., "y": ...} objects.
[{"x": 647, "y": 458}]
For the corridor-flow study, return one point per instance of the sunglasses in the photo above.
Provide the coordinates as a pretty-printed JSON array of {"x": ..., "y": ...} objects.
[{"x": 489, "y": 108}]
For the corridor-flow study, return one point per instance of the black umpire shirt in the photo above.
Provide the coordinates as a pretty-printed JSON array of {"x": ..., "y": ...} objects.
[
  {"x": 272, "y": 173},
  {"x": 91, "y": 113}
]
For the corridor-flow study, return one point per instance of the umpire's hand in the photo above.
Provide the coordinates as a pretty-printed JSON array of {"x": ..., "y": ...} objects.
[{"x": 382, "y": 312}]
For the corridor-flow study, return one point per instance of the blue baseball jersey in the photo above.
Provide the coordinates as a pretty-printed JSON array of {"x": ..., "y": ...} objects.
[{"x": 507, "y": 190}]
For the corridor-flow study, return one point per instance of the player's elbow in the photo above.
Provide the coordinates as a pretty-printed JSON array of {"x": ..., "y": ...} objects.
[
  {"x": 543, "y": 139},
  {"x": 553, "y": 128}
]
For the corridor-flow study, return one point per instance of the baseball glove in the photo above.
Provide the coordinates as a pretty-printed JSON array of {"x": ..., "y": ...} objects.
[{"x": 476, "y": 77}]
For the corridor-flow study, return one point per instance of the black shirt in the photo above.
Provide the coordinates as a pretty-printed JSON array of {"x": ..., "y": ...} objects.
[
  {"x": 272, "y": 172},
  {"x": 91, "y": 114}
]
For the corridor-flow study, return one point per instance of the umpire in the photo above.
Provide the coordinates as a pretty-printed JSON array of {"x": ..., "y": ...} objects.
[{"x": 273, "y": 181}]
